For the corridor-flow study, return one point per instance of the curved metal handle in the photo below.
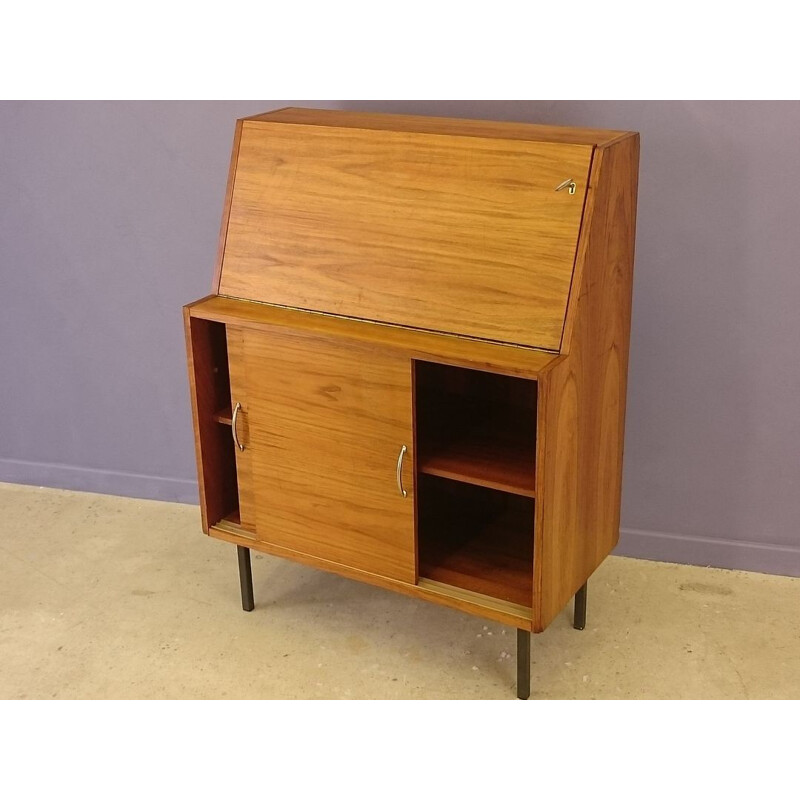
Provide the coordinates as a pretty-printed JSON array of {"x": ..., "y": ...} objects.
[
  {"x": 236, "y": 411},
  {"x": 403, "y": 492}
]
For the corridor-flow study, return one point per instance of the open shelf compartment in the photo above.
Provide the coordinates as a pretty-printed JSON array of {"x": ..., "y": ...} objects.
[
  {"x": 212, "y": 398},
  {"x": 476, "y": 480},
  {"x": 477, "y": 427},
  {"x": 476, "y": 539}
]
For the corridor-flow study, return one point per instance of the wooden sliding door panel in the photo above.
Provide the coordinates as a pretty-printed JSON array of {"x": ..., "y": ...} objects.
[
  {"x": 326, "y": 423},
  {"x": 240, "y": 427},
  {"x": 460, "y": 234}
]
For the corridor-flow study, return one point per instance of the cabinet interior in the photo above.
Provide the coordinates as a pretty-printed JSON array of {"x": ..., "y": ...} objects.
[
  {"x": 476, "y": 468},
  {"x": 213, "y": 398}
]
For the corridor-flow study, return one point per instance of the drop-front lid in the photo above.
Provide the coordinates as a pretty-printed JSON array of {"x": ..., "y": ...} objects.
[{"x": 465, "y": 227}]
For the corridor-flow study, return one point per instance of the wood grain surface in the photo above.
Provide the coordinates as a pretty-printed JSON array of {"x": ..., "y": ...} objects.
[
  {"x": 476, "y": 426},
  {"x": 582, "y": 398},
  {"x": 497, "y": 464},
  {"x": 464, "y": 600},
  {"x": 441, "y": 348},
  {"x": 326, "y": 422},
  {"x": 208, "y": 388},
  {"x": 465, "y": 235},
  {"x": 443, "y": 126},
  {"x": 476, "y": 539},
  {"x": 362, "y": 254},
  {"x": 240, "y": 387}
]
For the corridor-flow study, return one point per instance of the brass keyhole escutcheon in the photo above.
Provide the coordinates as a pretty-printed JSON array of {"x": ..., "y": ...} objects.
[{"x": 569, "y": 183}]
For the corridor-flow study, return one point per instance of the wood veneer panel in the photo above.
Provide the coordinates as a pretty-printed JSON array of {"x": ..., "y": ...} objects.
[
  {"x": 326, "y": 422},
  {"x": 476, "y": 539},
  {"x": 488, "y": 564},
  {"x": 450, "y": 596},
  {"x": 208, "y": 386},
  {"x": 476, "y": 426},
  {"x": 239, "y": 393},
  {"x": 492, "y": 446},
  {"x": 583, "y": 248},
  {"x": 444, "y": 126},
  {"x": 504, "y": 465},
  {"x": 426, "y": 345},
  {"x": 451, "y": 233},
  {"x": 582, "y": 398}
]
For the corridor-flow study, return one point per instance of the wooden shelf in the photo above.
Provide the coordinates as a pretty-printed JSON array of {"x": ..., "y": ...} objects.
[
  {"x": 224, "y": 415},
  {"x": 478, "y": 540},
  {"x": 476, "y": 427},
  {"x": 507, "y": 465}
]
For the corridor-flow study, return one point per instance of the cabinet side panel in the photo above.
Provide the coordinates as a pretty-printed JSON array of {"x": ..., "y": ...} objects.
[
  {"x": 216, "y": 471},
  {"x": 582, "y": 400}
]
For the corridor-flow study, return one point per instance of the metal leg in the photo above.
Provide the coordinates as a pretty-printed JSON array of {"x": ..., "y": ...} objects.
[
  {"x": 523, "y": 664},
  {"x": 579, "y": 618},
  {"x": 245, "y": 577}
]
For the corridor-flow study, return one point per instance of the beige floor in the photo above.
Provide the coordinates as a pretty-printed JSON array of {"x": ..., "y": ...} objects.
[{"x": 108, "y": 597}]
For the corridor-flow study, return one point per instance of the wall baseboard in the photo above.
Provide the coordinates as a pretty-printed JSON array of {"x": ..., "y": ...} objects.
[
  {"x": 103, "y": 481},
  {"x": 650, "y": 545},
  {"x": 702, "y": 551}
]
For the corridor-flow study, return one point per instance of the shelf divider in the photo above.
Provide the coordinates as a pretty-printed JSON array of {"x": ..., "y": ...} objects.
[
  {"x": 224, "y": 415},
  {"x": 507, "y": 466}
]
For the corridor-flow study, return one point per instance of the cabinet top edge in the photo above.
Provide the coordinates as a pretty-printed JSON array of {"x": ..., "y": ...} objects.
[
  {"x": 417, "y": 343},
  {"x": 448, "y": 126}
]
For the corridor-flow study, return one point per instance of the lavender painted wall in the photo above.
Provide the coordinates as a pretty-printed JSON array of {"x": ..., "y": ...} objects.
[
  {"x": 109, "y": 214},
  {"x": 109, "y": 220}
]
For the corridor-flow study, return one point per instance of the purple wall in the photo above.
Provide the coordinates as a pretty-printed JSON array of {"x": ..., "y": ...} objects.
[
  {"x": 109, "y": 220},
  {"x": 109, "y": 215}
]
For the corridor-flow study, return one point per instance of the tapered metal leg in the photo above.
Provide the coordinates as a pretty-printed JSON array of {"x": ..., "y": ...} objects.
[
  {"x": 523, "y": 664},
  {"x": 579, "y": 617},
  {"x": 245, "y": 577}
]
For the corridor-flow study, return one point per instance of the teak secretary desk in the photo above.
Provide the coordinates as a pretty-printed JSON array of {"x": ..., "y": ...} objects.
[{"x": 412, "y": 368}]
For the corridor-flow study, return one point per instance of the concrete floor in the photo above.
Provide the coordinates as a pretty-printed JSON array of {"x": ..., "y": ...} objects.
[{"x": 109, "y": 597}]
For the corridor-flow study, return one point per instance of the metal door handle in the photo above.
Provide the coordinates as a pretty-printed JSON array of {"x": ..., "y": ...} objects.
[
  {"x": 403, "y": 492},
  {"x": 236, "y": 411}
]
